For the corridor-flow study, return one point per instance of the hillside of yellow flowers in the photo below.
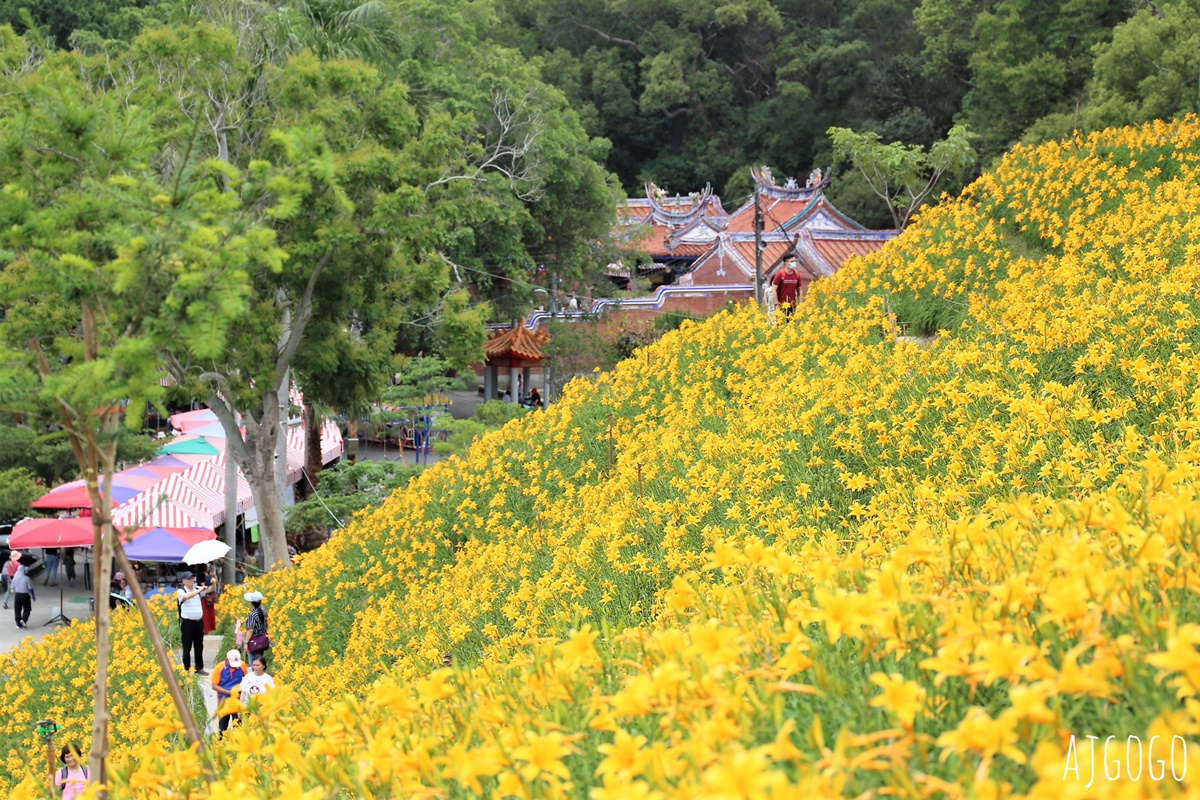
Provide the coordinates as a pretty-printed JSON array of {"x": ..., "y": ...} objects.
[{"x": 795, "y": 560}]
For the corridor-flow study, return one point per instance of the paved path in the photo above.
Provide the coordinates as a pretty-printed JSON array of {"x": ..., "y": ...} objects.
[
  {"x": 74, "y": 602},
  {"x": 213, "y": 655}
]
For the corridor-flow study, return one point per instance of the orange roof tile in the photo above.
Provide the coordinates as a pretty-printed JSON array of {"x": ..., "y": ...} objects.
[
  {"x": 838, "y": 251},
  {"x": 518, "y": 342},
  {"x": 775, "y": 213}
]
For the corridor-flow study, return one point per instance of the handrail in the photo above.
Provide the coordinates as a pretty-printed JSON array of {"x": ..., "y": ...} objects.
[{"x": 656, "y": 301}]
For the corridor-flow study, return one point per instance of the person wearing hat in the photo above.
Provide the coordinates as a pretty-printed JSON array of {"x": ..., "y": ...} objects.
[
  {"x": 191, "y": 621},
  {"x": 256, "y": 625},
  {"x": 10, "y": 569},
  {"x": 226, "y": 682},
  {"x": 787, "y": 284}
]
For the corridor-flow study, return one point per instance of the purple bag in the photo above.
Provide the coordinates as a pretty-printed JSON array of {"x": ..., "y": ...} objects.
[{"x": 258, "y": 642}]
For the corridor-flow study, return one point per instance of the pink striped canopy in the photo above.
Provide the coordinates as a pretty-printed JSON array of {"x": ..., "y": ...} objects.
[
  {"x": 332, "y": 445},
  {"x": 171, "y": 504}
]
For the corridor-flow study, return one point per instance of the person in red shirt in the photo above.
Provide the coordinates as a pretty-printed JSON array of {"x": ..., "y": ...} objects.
[{"x": 787, "y": 284}]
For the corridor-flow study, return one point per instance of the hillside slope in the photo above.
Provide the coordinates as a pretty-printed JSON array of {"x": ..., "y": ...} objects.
[{"x": 757, "y": 560}]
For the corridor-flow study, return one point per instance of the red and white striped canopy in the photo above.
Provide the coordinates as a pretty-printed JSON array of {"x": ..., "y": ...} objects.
[
  {"x": 208, "y": 481},
  {"x": 295, "y": 453},
  {"x": 332, "y": 445},
  {"x": 171, "y": 504}
]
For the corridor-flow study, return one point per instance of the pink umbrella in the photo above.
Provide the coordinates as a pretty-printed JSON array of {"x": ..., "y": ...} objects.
[
  {"x": 188, "y": 420},
  {"x": 77, "y": 496},
  {"x": 52, "y": 532}
]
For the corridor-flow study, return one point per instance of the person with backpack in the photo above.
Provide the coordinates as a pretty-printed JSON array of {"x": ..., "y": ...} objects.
[
  {"x": 191, "y": 621},
  {"x": 226, "y": 682},
  {"x": 72, "y": 779}
]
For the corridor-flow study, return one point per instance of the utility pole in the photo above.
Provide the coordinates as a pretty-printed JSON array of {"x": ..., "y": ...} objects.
[{"x": 758, "y": 244}]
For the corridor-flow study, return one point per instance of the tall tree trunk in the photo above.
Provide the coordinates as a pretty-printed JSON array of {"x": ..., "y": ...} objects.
[
  {"x": 312, "y": 450},
  {"x": 260, "y": 474},
  {"x": 256, "y": 455},
  {"x": 102, "y": 538}
]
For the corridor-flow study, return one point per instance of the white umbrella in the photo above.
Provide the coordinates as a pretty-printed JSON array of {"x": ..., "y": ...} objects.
[{"x": 204, "y": 552}]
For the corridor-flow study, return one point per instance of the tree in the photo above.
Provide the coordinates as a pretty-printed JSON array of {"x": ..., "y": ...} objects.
[
  {"x": 1148, "y": 71},
  {"x": 59, "y": 19},
  {"x": 112, "y": 254},
  {"x": 346, "y": 490},
  {"x": 362, "y": 244},
  {"x": 903, "y": 175},
  {"x": 1025, "y": 59},
  {"x": 18, "y": 488}
]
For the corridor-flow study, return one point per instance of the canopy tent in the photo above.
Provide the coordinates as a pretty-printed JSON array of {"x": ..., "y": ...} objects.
[
  {"x": 75, "y": 495},
  {"x": 207, "y": 482},
  {"x": 145, "y": 544},
  {"x": 188, "y": 445},
  {"x": 212, "y": 474},
  {"x": 188, "y": 420},
  {"x": 213, "y": 430},
  {"x": 166, "y": 465},
  {"x": 171, "y": 504},
  {"x": 137, "y": 481},
  {"x": 332, "y": 445},
  {"x": 142, "y": 472},
  {"x": 165, "y": 544},
  {"x": 52, "y": 532},
  {"x": 295, "y": 453}
]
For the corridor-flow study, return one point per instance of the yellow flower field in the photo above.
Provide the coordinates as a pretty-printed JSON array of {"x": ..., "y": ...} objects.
[{"x": 804, "y": 560}]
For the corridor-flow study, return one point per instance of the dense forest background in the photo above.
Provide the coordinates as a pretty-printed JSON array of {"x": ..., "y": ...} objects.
[
  {"x": 693, "y": 91},
  {"x": 688, "y": 92}
]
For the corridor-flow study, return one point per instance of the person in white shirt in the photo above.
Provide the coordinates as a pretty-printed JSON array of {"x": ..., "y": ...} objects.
[
  {"x": 258, "y": 681},
  {"x": 191, "y": 621}
]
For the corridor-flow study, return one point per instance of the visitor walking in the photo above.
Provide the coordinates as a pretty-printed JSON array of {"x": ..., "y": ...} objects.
[
  {"x": 787, "y": 283},
  {"x": 51, "y": 567},
  {"x": 258, "y": 641},
  {"x": 73, "y": 777},
  {"x": 191, "y": 621},
  {"x": 22, "y": 588},
  {"x": 68, "y": 562},
  {"x": 10, "y": 569},
  {"x": 258, "y": 682},
  {"x": 226, "y": 681}
]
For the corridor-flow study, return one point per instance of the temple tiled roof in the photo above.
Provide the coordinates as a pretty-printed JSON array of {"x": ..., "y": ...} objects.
[
  {"x": 838, "y": 251},
  {"x": 518, "y": 342}
]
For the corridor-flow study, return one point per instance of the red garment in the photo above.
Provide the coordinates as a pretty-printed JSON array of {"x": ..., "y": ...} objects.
[
  {"x": 208, "y": 617},
  {"x": 787, "y": 286}
]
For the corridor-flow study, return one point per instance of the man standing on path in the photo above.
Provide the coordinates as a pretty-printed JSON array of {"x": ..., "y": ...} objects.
[
  {"x": 787, "y": 287},
  {"x": 191, "y": 621},
  {"x": 22, "y": 588}
]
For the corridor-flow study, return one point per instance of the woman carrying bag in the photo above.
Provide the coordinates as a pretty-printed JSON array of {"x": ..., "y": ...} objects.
[{"x": 256, "y": 626}]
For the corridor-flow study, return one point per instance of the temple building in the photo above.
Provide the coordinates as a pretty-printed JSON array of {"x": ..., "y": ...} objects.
[
  {"x": 673, "y": 231},
  {"x": 692, "y": 242}
]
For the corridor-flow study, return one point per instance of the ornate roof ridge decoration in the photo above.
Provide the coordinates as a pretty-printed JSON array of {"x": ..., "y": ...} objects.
[
  {"x": 518, "y": 342},
  {"x": 700, "y": 202},
  {"x": 791, "y": 189}
]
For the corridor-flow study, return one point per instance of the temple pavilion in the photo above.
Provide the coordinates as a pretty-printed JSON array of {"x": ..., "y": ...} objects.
[{"x": 517, "y": 350}]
